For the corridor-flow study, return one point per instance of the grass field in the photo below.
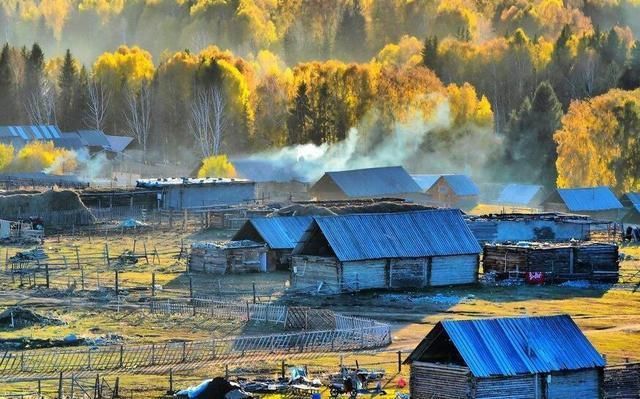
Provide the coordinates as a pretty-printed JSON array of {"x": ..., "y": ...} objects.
[{"x": 609, "y": 315}]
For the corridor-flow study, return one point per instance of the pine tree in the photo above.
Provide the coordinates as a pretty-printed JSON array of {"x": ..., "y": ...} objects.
[
  {"x": 34, "y": 71},
  {"x": 351, "y": 36},
  {"x": 7, "y": 86},
  {"x": 80, "y": 99},
  {"x": 429, "y": 53},
  {"x": 630, "y": 78},
  {"x": 299, "y": 114},
  {"x": 67, "y": 82}
]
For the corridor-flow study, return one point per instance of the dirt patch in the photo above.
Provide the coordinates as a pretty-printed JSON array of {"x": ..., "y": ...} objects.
[{"x": 18, "y": 317}]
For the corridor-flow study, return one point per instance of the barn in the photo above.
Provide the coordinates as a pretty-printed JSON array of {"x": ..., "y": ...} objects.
[
  {"x": 457, "y": 191},
  {"x": 556, "y": 262},
  {"x": 597, "y": 202},
  {"x": 382, "y": 182},
  {"x": 631, "y": 203},
  {"x": 185, "y": 193},
  {"x": 521, "y": 196},
  {"x": 279, "y": 234},
  {"x": 519, "y": 358},
  {"x": 386, "y": 250}
]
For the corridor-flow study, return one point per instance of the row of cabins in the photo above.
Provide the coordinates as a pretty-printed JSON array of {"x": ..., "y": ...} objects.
[{"x": 404, "y": 250}]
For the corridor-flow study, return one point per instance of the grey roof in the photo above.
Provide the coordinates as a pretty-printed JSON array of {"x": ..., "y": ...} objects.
[
  {"x": 263, "y": 170},
  {"x": 94, "y": 138},
  {"x": 589, "y": 199},
  {"x": 371, "y": 182},
  {"x": 31, "y": 132},
  {"x": 353, "y": 237},
  {"x": 118, "y": 143},
  {"x": 520, "y": 194},
  {"x": 277, "y": 232},
  {"x": 461, "y": 185},
  {"x": 518, "y": 345}
]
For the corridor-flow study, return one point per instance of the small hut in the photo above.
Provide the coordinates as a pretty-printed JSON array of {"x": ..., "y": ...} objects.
[
  {"x": 229, "y": 257},
  {"x": 279, "y": 234},
  {"x": 517, "y": 195},
  {"x": 386, "y": 250},
  {"x": 597, "y": 202},
  {"x": 385, "y": 182},
  {"x": 631, "y": 203},
  {"x": 457, "y": 191},
  {"x": 511, "y": 358},
  {"x": 564, "y": 261}
]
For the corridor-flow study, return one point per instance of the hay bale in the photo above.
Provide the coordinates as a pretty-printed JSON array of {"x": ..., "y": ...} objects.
[{"x": 57, "y": 208}]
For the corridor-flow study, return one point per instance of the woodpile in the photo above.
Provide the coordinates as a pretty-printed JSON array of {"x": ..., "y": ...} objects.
[
  {"x": 621, "y": 382},
  {"x": 208, "y": 258},
  {"x": 595, "y": 261}
]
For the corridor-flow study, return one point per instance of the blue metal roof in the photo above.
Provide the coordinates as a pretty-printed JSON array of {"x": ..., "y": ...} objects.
[
  {"x": 589, "y": 199},
  {"x": 372, "y": 182},
  {"x": 519, "y": 345},
  {"x": 425, "y": 181},
  {"x": 634, "y": 198},
  {"x": 519, "y": 194},
  {"x": 461, "y": 184},
  {"x": 278, "y": 232},
  {"x": 31, "y": 132},
  {"x": 353, "y": 237}
]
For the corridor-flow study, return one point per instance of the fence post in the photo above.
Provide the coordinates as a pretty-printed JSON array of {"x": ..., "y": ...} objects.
[
  {"x": 153, "y": 284},
  {"x": 82, "y": 276},
  {"x": 72, "y": 384},
  {"x": 39, "y": 389},
  {"x": 121, "y": 356},
  {"x": 117, "y": 283},
  {"x": 153, "y": 354},
  {"x": 60, "y": 392},
  {"x": 184, "y": 351},
  {"x": 399, "y": 361},
  {"x": 282, "y": 373},
  {"x": 89, "y": 359},
  {"x": 254, "y": 292},
  {"x": 170, "y": 381},
  {"x": 78, "y": 257},
  {"x": 46, "y": 271},
  {"x": 106, "y": 254}
]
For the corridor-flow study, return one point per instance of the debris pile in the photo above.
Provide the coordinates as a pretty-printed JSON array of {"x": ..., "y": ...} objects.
[{"x": 18, "y": 317}]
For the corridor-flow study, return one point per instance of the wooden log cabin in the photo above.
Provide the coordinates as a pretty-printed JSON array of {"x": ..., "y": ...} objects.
[
  {"x": 558, "y": 262},
  {"x": 386, "y": 251},
  {"x": 229, "y": 257},
  {"x": 517, "y": 358},
  {"x": 597, "y": 202}
]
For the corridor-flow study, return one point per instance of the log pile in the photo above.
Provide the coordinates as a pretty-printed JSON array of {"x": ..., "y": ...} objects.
[
  {"x": 208, "y": 258},
  {"x": 622, "y": 381},
  {"x": 595, "y": 261}
]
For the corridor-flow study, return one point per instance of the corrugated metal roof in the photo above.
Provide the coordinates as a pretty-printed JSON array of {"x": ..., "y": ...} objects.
[
  {"x": 373, "y": 182},
  {"x": 519, "y": 345},
  {"x": 94, "y": 138},
  {"x": 634, "y": 198},
  {"x": 31, "y": 132},
  {"x": 589, "y": 199},
  {"x": 184, "y": 181},
  {"x": 461, "y": 184},
  {"x": 397, "y": 235},
  {"x": 519, "y": 194},
  {"x": 118, "y": 143},
  {"x": 277, "y": 232},
  {"x": 425, "y": 181}
]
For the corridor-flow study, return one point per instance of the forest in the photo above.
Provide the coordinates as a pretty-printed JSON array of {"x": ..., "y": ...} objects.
[{"x": 542, "y": 91}]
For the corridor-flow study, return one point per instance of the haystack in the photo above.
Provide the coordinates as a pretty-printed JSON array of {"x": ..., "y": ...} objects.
[{"x": 57, "y": 208}]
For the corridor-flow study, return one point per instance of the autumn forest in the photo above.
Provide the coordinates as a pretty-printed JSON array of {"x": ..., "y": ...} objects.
[{"x": 543, "y": 91}]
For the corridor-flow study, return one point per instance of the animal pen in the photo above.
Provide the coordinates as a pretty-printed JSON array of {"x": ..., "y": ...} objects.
[{"x": 557, "y": 262}]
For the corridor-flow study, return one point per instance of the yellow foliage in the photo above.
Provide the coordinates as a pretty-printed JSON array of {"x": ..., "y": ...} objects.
[
  {"x": 6, "y": 155},
  {"x": 131, "y": 64},
  {"x": 255, "y": 14},
  {"x": 55, "y": 13},
  {"x": 217, "y": 166},
  {"x": 466, "y": 107},
  {"x": 104, "y": 8},
  {"x": 39, "y": 156},
  {"x": 404, "y": 54}
]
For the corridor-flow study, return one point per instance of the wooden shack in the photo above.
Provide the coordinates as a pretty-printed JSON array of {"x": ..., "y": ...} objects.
[
  {"x": 597, "y": 202},
  {"x": 564, "y": 261},
  {"x": 386, "y": 250},
  {"x": 279, "y": 234},
  {"x": 450, "y": 190},
  {"x": 511, "y": 358},
  {"x": 229, "y": 257}
]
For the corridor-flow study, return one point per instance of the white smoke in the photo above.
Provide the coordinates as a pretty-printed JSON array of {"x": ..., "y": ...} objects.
[{"x": 307, "y": 162}]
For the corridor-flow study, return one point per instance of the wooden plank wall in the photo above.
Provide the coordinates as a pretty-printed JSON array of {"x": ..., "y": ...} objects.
[
  {"x": 313, "y": 272},
  {"x": 430, "y": 380},
  {"x": 622, "y": 381},
  {"x": 514, "y": 387}
]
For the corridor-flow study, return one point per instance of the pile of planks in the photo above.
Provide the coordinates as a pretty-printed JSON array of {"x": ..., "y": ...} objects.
[
  {"x": 208, "y": 258},
  {"x": 232, "y": 257},
  {"x": 622, "y": 381}
]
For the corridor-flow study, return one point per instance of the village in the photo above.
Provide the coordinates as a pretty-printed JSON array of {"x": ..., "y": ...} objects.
[{"x": 365, "y": 282}]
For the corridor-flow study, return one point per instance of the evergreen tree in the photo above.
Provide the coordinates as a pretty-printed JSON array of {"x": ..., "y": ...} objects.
[
  {"x": 429, "y": 53},
  {"x": 7, "y": 92},
  {"x": 299, "y": 115},
  {"x": 80, "y": 99},
  {"x": 630, "y": 78},
  {"x": 34, "y": 70},
  {"x": 322, "y": 124},
  {"x": 67, "y": 84},
  {"x": 351, "y": 36},
  {"x": 531, "y": 149}
]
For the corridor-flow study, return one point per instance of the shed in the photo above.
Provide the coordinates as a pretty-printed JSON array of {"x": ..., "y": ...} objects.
[
  {"x": 386, "y": 250},
  {"x": 518, "y": 358},
  {"x": 597, "y": 202},
  {"x": 565, "y": 261},
  {"x": 185, "y": 193},
  {"x": 279, "y": 234},
  {"x": 631, "y": 203},
  {"x": 391, "y": 181},
  {"x": 521, "y": 195},
  {"x": 457, "y": 191},
  {"x": 228, "y": 257}
]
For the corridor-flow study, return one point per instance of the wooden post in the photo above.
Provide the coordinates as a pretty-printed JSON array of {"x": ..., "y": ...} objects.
[
  {"x": 134, "y": 245},
  {"x": 254, "y": 292},
  {"x": 46, "y": 273},
  {"x": 117, "y": 283},
  {"x": 153, "y": 284},
  {"x": 184, "y": 351},
  {"x": 170, "y": 381},
  {"x": 399, "y": 361},
  {"x": 144, "y": 245},
  {"x": 153, "y": 354},
  {"x": 248, "y": 313},
  {"x": 60, "y": 391},
  {"x": 82, "y": 276},
  {"x": 116, "y": 388},
  {"x": 191, "y": 288},
  {"x": 106, "y": 254},
  {"x": 72, "y": 384},
  {"x": 39, "y": 389},
  {"x": 226, "y": 371},
  {"x": 282, "y": 373},
  {"x": 121, "y": 356}
]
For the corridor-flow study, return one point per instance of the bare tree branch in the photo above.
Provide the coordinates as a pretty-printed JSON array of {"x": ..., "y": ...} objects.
[
  {"x": 97, "y": 105},
  {"x": 40, "y": 104},
  {"x": 208, "y": 120},
  {"x": 138, "y": 114}
]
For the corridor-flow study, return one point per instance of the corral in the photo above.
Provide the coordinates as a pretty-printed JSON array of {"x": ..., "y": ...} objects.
[{"x": 557, "y": 262}]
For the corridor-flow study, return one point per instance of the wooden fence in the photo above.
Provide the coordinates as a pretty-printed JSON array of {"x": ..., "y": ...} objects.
[
  {"x": 222, "y": 309},
  {"x": 213, "y": 351}
]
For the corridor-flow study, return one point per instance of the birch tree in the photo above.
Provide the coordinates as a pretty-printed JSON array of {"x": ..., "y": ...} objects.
[
  {"x": 208, "y": 119},
  {"x": 138, "y": 114},
  {"x": 98, "y": 100},
  {"x": 40, "y": 104}
]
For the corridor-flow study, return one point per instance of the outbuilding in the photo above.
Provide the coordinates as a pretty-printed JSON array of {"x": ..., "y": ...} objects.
[
  {"x": 517, "y": 358},
  {"x": 384, "y": 182},
  {"x": 279, "y": 234},
  {"x": 597, "y": 202},
  {"x": 450, "y": 190},
  {"x": 185, "y": 193},
  {"x": 518, "y": 195},
  {"x": 386, "y": 250},
  {"x": 631, "y": 203}
]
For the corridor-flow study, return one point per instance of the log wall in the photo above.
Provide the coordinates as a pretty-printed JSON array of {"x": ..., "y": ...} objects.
[
  {"x": 453, "y": 270},
  {"x": 315, "y": 272},
  {"x": 430, "y": 380}
]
